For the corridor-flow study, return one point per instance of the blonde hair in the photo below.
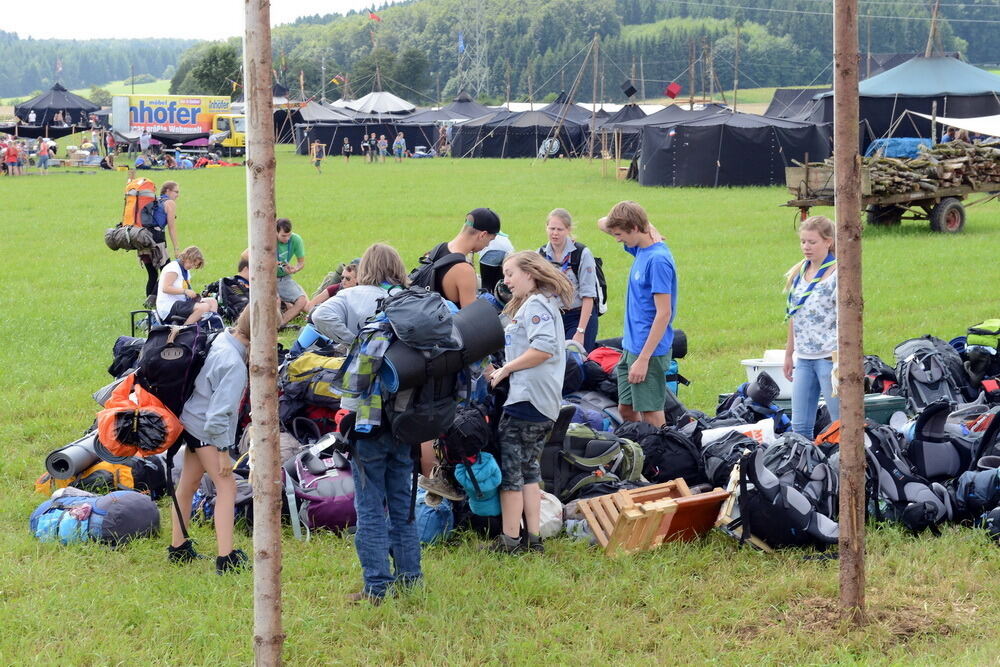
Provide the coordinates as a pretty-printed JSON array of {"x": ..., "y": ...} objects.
[
  {"x": 381, "y": 264},
  {"x": 628, "y": 216},
  {"x": 827, "y": 231},
  {"x": 564, "y": 217},
  {"x": 192, "y": 253},
  {"x": 549, "y": 280}
]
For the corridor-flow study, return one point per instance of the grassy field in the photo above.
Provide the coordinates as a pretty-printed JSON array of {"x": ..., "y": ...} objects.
[
  {"x": 66, "y": 298},
  {"x": 158, "y": 87}
]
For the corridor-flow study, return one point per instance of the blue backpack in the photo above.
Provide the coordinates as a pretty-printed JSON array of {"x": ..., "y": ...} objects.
[{"x": 113, "y": 519}]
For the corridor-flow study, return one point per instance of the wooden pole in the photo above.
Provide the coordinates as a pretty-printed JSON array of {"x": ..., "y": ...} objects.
[
  {"x": 850, "y": 308},
  {"x": 642, "y": 79},
  {"x": 932, "y": 31},
  {"x": 691, "y": 75},
  {"x": 265, "y": 478},
  {"x": 736, "y": 67},
  {"x": 593, "y": 104}
]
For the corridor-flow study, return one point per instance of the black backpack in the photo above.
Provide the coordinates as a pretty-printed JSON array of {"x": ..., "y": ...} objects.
[
  {"x": 723, "y": 454},
  {"x": 935, "y": 453},
  {"x": 880, "y": 377},
  {"x": 232, "y": 294},
  {"x": 170, "y": 360},
  {"x": 433, "y": 264},
  {"x": 895, "y": 491},
  {"x": 575, "y": 258},
  {"x": 776, "y": 512},
  {"x": 468, "y": 435},
  {"x": 126, "y": 354},
  {"x": 930, "y": 370},
  {"x": 668, "y": 453}
]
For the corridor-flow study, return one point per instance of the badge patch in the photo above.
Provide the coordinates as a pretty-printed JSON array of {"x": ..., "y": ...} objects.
[{"x": 535, "y": 319}]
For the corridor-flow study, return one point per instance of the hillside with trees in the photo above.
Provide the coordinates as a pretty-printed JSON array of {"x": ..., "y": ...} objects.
[{"x": 28, "y": 65}]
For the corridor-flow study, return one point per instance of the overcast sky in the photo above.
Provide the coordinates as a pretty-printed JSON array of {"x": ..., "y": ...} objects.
[{"x": 184, "y": 19}]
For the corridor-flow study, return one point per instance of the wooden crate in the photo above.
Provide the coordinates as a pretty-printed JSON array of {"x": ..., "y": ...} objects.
[{"x": 643, "y": 519}]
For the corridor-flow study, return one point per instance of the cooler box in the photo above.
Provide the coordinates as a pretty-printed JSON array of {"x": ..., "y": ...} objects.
[{"x": 772, "y": 363}]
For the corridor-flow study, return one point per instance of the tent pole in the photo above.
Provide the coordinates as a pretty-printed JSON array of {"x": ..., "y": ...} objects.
[{"x": 268, "y": 637}]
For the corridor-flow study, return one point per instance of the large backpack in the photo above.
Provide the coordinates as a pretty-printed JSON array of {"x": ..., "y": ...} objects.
[
  {"x": 895, "y": 492},
  {"x": 722, "y": 456},
  {"x": 421, "y": 319},
  {"x": 575, "y": 258},
  {"x": 144, "y": 474},
  {"x": 140, "y": 197},
  {"x": 977, "y": 492},
  {"x": 798, "y": 462},
  {"x": 434, "y": 263},
  {"x": 309, "y": 380},
  {"x": 233, "y": 296},
  {"x": 985, "y": 333},
  {"x": 113, "y": 519},
  {"x": 880, "y": 377},
  {"x": 930, "y": 370},
  {"x": 170, "y": 361},
  {"x": 775, "y": 511},
  {"x": 319, "y": 489},
  {"x": 741, "y": 406},
  {"x": 936, "y": 453},
  {"x": 667, "y": 453},
  {"x": 586, "y": 457}
]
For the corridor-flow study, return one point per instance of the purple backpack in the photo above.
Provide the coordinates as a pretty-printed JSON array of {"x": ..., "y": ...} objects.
[{"x": 320, "y": 490}]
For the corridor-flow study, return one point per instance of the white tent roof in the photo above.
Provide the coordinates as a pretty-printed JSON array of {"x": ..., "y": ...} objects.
[
  {"x": 988, "y": 125},
  {"x": 379, "y": 103}
]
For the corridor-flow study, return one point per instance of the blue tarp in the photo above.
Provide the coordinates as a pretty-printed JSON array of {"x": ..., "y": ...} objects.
[{"x": 899, "y": 147}]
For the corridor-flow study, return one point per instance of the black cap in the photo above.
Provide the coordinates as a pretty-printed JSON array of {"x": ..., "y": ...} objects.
[{"x": 485, "y": 220}]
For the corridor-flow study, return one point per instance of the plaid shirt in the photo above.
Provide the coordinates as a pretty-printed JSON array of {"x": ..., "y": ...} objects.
[{"x": 359, "y": 376}]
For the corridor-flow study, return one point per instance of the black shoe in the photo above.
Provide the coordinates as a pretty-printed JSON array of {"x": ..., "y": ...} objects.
[
  {"x": 235, "y": 560},
  {"x": 533, "y": 543},
  {"x": 505, "y": 545},
  {"x": 185, "y": 553}
]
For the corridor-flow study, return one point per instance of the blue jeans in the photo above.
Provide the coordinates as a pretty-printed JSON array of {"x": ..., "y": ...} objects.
[
  {"x": 571, "y": 320},
  {"x": 810, "y": 378},
  {"x": 383, "y": 475}
]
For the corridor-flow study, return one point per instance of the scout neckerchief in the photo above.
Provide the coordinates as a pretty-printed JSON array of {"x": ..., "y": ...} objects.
[
  {"x": 792, "y": 306},
  {"x": 185, "y": 274}
]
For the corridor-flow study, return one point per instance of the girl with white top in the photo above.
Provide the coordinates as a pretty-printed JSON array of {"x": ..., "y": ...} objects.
[
  {"x": 580, "y": 311},
  {"x": 812, "y": 324},
  {"x": 535, "y": 363},
  {"x": 176, "y": 302}
]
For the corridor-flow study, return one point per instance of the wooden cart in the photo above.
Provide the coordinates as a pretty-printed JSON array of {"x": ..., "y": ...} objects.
[{"x": 944, "y": 208}]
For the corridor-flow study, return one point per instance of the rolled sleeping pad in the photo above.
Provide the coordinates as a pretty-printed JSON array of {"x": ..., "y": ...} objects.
[
  {"x": 678, "y": 350},
  {"x": 479, "y": 332},
  {"x": 71, "y": 460}
]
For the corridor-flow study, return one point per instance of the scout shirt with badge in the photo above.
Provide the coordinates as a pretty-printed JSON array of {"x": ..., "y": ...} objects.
[{"x": 537, "y": 324}]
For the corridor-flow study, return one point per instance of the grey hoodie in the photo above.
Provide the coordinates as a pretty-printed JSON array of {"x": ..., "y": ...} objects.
[
  {"x": 212, "y": 411},
  {"x": 340, "y": 318}
]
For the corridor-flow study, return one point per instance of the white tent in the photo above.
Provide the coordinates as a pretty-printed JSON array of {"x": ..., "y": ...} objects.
[
  {"x": 988, "y": 125},
  {"x": 377, "y": 103}
]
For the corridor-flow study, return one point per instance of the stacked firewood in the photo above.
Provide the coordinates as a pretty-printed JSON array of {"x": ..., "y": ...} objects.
[{"x": 949, "y": 165}]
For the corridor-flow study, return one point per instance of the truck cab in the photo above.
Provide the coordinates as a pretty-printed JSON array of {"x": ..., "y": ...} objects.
[{"x": 236, "y": 125}]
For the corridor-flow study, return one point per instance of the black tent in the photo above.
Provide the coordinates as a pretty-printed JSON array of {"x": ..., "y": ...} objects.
[
  {"x": 628, "y": 112},
  {"x": 631, "y": 130},
  {"x": 794, "y": 103},
  {"x": 291, "y": 114},
  {"x": 332, "y": 134},
  {"x": 467, "y": 107},
  {"x": 729, "y": 149},
  {"x": 507, "y": 134},
  {"x": 959, "y": 89},
  {"x": 561, "y": 107},
  {"x": 74, "y": 108},
  {"x": 22, "y": 131}
]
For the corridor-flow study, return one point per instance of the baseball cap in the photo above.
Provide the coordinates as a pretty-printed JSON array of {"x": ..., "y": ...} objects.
[{"x": 485, "y": 220}]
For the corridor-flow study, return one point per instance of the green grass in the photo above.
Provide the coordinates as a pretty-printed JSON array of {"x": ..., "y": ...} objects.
[
  {"x": 66, "y": 298},
  {"x": 158, "y": 87}
]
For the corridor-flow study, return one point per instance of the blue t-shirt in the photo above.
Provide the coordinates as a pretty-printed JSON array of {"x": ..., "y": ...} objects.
[{"x": 652, "y": 273}]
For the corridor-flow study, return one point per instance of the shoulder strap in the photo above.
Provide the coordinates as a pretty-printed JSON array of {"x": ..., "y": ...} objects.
[{"x": 576, "y": 257}]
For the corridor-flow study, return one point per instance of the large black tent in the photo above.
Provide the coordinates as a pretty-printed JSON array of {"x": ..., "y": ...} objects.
[
  {"x": 630, "y": 131},
  {"x": 729, "y": 149},
  {"x": 332, "y": 135},
  {"x": 293, "y": 113},
  {"x": 794, "y": 103},
  {"x": 22, "y": 131},
  {"x": 959, "y": 89},
  {"x": 508, "y": 135},
  {"x": 74, "y": 109},
  {"x": 467, "y": 107}
]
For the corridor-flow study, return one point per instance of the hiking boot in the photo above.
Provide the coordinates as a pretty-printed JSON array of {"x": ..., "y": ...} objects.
[
  {"x": 533, "y": 543},
  {"x": 505, "y": 545},
  {"x": 438, "y": 483},
  {"x": 363, "y": 596},
  {"x": 185, "y": 553},
  {"x": 432, "y": 499},
  {"x": 235, "y": 560}
]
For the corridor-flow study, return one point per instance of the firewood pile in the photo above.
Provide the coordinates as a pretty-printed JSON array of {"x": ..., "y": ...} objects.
[{"x": 949, "y": 165}]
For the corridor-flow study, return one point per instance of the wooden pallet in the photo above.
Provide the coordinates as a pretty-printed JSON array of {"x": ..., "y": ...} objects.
[{"x": 643, "y": 519}]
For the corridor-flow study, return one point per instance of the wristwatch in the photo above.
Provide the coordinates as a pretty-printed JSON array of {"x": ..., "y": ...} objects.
[{"x": 579, "y": 330}]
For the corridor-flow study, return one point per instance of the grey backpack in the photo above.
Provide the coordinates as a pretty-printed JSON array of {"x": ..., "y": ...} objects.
[{"x": 421, "y": 319}]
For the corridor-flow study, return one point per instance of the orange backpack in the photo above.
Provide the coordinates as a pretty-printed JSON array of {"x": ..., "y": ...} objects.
[
  {"x": 136, "y": 424},
  {"x": 139, "y": 192},
  {"x": 830, "y": 435}
]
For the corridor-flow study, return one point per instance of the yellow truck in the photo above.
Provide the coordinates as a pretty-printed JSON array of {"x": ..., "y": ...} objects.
[{"x": 236, "y": 142}]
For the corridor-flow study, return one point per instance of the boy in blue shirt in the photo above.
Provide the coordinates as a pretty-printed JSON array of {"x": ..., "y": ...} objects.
[{"x": 650, "y": 304}]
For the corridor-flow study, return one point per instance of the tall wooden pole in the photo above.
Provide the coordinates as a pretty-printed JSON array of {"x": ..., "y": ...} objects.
[
  {"x": 850, "y": 308},
  {"x": 265, "y": 478},
  {"x": 593, "y": 104},
  {"x": 691, "y": 75},
  {"x": 736, "y": 67},
  {"x": 932, "y": 31}
]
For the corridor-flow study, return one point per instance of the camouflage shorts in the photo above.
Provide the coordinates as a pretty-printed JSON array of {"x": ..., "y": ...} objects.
[{"x": 521, "y": 445}]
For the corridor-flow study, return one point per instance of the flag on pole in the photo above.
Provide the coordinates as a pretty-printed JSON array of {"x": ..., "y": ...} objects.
[
  {"x": 339, "y": 79},
  {"x": 461, "y": 43},
  {"x": 374, "y": 17},
  {"x": 672, "y": 89},
  {"x": 235, "y": 85}
]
